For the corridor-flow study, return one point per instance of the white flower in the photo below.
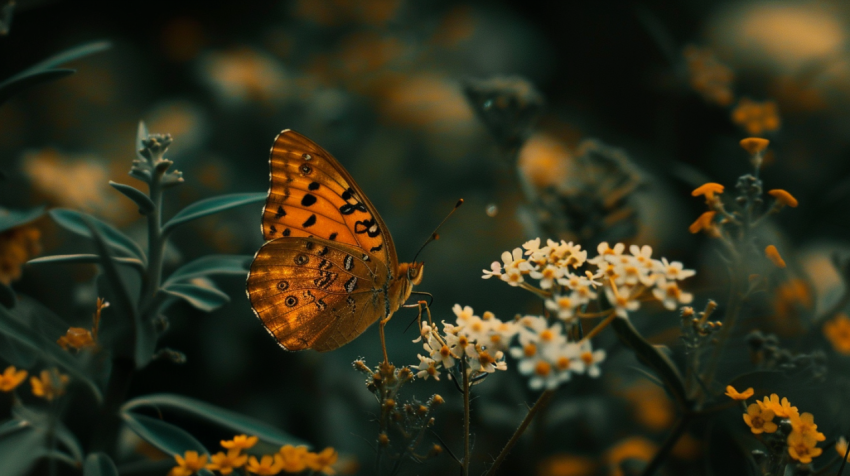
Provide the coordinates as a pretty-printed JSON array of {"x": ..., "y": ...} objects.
[
  {"x": 581, "y": 287},
  {"x": 548, "y": 276},
  {"x": 459, "y": 344},
  {"x": 543, "y": 375},
  {"x": 463, "y": 313},
  {"x": 604, "y": 251},
  {"x": 512, "y": 276},
  {"x": 670, "y": 295},
  {"x": 621, "y": 302},
  {"x": 495, "y": 270},
  {"x": 531, "y": 246},
  {"x": 491, "y": 362},
  {"x": 513, "y": 259},
  {"x": 675, "y": 270},
  {"x": 563, "y": 305},
  {"x": 566, "y": 360},
  {"x": 476, "y": 329},
  {"x": 439, "y": 352},
  {"x": 643, "y": 255},
  {"x": 427, "y": 368},
  {"x": 500, "y": 335},
  {"x": 424, "y": 331},
  {"x": 591, "y": 358}
]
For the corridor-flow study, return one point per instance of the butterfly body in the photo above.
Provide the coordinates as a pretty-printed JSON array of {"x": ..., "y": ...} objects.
[{"x": 329, "y": 268}]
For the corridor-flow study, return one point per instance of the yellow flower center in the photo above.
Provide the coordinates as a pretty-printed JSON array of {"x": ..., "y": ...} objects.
[
  {"x": 529, "y": 350},
  {"x": 563, "y": 363},
  {"x": 542, "y": 368},
  {"x": 547, "y": 336},
  {"x": 587, "y": 358}
]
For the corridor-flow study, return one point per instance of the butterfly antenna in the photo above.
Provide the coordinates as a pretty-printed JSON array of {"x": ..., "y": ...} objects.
[{"x": 434, "y": 236}]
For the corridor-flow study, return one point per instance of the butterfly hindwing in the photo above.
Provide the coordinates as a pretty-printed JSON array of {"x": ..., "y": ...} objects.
[
  {"x": 315, "y": 293},
  {"x": 312, "y": 195}
]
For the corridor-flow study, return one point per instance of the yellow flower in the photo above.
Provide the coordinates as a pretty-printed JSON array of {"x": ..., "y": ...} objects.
[
  {"x": 773, "y": 255},
  {"x": 841, "y": 447},
  {"x": 17, "y": 246},
  {"x": 838, "y": 332},
  {"x": 239, "y": 442},
  {"x": 734, "y": 395},
  {"x": 756, "y": 117},
  {"x": 704, "y": 222},
  {"x": 781, "y": 409},
  {"x": 754, "y": 145},
  {"x": 294, "y": 458},
  {"x": 267, "y": 466},
  {"x": 188, "y": 464},
  {"x": 225, "y": 463},
  {"x": 76, "y": 337},
  {"x": 805, "y": 425},
  {"x": 11, "y": 378},
  {"x": 50, "y": 385},
  {"x": 802, "y": 449},
  {"x": 322, "y": 461},
  {"x": 759, "y": 420},
  {"x": 708, "y": 189},
  {"x": 783, "y": 198}
]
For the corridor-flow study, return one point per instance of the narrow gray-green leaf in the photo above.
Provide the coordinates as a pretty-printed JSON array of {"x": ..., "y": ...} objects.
[
  {"x": 236, "y": 265},
  {"x": 165, "y": 436},
  {"x": 7, "y": 297},
  {"x": 99, "y": 464},
  {"x": 50, "y": 350},
  {"x": 12, "y": 218},
  {"x": 20, "y": 450},
  {"x": 73, "y": 221},
  {"x": 69, "y": 441},
  {"x": 71, "y": 54},
  {"x": 13, "y": 86},
  {"x": 653, "y": 358},
  {"x": 201, "y": 297},
  {"x": 86, "y": 258},
  {"x": 236, "y": 422},
  {"x": 210, "y": 206},
  {"x": 11, "y": 426},
  {"x": 140, "y": 198},
  {"x": 141, "y": 134}
]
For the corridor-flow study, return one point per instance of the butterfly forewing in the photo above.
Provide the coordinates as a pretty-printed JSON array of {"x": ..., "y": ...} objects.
[
  {"x": 312, "y": 195},
  {"x": 315, "y": 293}
]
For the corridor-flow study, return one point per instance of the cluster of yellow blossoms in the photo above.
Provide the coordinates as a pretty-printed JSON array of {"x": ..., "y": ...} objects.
[
  {"x": 48, "y": 385},
  {"x": 804, "y": 436},
  {"x": 756, "y": 117},
  {"x": 290, "y": 459}
]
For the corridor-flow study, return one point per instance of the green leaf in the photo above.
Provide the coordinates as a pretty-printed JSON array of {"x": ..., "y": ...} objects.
[
  {"x": 11, "y": 218},
  {"x": 71, "y": 54},
  {"x": 74, "y": 222},
  {"x": 212, "y": 205},
  {"x": 165, "y": 436},
  {"x": 12, "y": 327},
  {"x": 69, "y": 441},
  {"x": 141, "y": 134},
  {"x": 86, "y": 258},
  {"x": 12, "y": 426},
  {"x": 19, "y": 450},
  {"x": 13, "y": 86},
  {"x": 236, "y": 265},
  {"x": 99, "y": 464},
  {"x": 653, "y": 358},
  {"x": 205, "y": 298},
  {"x": 138, "y": 339},
  {"x": 143, "y": 201},
  {"x": 225, "y": 418},
  {"x": 7, "y": 297}
]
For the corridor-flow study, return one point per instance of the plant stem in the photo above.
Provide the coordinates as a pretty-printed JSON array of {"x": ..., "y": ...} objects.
[
  {"x": 155, "y": 242},
  {"x": 669, "y": 443},
  {"x": 465, "y": 466},
  {"x": 109, "y": 422},
  {"x": 602, "y": 325},
  {"x": 541, "y": 402}
]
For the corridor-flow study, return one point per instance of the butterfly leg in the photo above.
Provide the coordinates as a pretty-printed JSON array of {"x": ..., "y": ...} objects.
[{"x": 381, "y": 325}]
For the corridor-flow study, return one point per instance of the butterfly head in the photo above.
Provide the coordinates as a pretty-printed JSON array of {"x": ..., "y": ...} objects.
[{"x": 413, "y": 271}]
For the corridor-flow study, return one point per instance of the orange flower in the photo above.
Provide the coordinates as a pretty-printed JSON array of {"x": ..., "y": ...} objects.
[
  {"x": 802, "y": 449},
  {"x": 841, "y": 448},
  {"x": 734, "y": 395},
  {"x": 50, "y": 385},
  {"x": 704, "y": 222},
  {"x": 805, "y": 425},
  {"x": 225, "y": 463},
  {"x": 188, "y": 464},
  {"x": 781, "y": 409},
  {"x": 267, "y": 466},
  {"x": 76, "y": 337},
  {"x": 322, "y": 461},
  {"x": 239, "y": 442},
  {"x": 773, "y": 255},
  {"x": 708, "y": 189},
  {"x": 11, "y": 378},
  {"x": 754, "y": 145},
  {"x": 838, "y": 332},
  {"x": 783, "y": 198},
  {"x": 294, "y": 458},
  {"x": 759, "y": 420},
  {"x": 756, "y": 117}
]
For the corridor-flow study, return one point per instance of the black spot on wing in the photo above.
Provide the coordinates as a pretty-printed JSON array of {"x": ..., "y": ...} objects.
[
  {"x": 280, "y": 213},
  {"x": 313, "y": 186},
  {"x": 272, "y": 230},
  {"x": 375, "y": 249},
  {"x": 351, "y": 284},
  {"x": 310, "y": 221},
  {"x": 333, "y": 236},
  {"x": 308, "y": 200},
  {"x": 286, "y": 232}
]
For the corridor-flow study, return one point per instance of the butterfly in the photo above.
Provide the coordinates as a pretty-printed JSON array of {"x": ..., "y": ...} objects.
[{"x": 329, "y": 268}]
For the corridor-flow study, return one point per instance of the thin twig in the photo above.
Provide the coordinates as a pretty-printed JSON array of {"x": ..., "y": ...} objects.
[
  {"x": 466, "y": 389},
  {"x": 541, "y": 402},
  {"x": 669, "y": 443}
]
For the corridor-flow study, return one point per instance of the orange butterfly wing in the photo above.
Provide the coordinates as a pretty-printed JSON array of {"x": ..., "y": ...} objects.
[{"x": 325, "y": 273}]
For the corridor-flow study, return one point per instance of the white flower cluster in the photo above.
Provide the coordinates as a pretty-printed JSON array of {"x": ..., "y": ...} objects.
[
  {"x": 625, "y": 277},
  {"x": 545, "y": 354},
  {"x": 483, "y": 339}
]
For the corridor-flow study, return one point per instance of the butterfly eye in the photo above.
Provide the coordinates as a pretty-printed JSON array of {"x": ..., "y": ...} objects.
[
  {"x": 291, "y": 301},
  {"x": 283, "y": 285},
  {"x": 413, "y": 272},
  {"x": 306, "y": 169}
]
